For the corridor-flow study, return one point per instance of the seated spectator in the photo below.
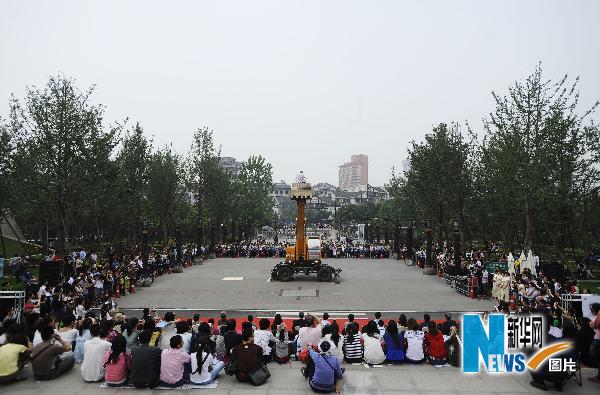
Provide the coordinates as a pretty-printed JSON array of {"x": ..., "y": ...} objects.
[
  {"x": 205, "y": 367},
  {"x": 414, "y": 338},
  {"x": 92, "y": 368},
  {"x": 83, "y": 335},
  {"x": 117, "y": 362},
  {"x": 373, "y": 351},
  {"x": 447, "y": 324},
  {"x": 130, "y": 333},
  {"x": 150, "y": 326},
  {"x": 262, "y": 338},
  {"x": 425, "y": 324},
  {"x": 67, "y": 332},
  {"x": 172, "y": 363},
  {"x": 353, "y": 351},
  {"x": 13, "y": 356},
  {"x": 297, "y": 324},
  {"x": 282, "y": 348},
  {"x": 435, "y": 346},
  {"x": 349, "y": 322},
  {"x": 248, "y": 355},
  {"x": 402, "y": 323},
  {"x": 381, "y": 328},
  {"x": 231, "y": 339},
  {"x": 331, "y": 333},
  {"x": 48, "y": 359},
  {"x": 327, "y": 371},
  {"x": 310, "y": 333},
  {"x": 325, "y": 320},
  {"x": 394, "y": 344},
  {"x": 168, "y": 330},
  {"x": 277, "y": 324},
  {"x": 145, "y": 362},
  {"x": 183, "y": 330},
  {"x": 37, "y": 337}
]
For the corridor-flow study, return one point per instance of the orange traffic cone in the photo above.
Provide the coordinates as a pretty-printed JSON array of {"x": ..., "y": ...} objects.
[
  {"x": 118, "y": 292},
  {"x": 513, "y": 305},
  {"x": 472, "y": 293},
  {"x": 132, "y": 290}
]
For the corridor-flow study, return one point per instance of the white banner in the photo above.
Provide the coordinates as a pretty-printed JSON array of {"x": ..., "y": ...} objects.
[{"x": 586, "y": 301}]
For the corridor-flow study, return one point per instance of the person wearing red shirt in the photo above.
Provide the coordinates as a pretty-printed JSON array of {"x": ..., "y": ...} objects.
[{"x": 435, "y": 346}]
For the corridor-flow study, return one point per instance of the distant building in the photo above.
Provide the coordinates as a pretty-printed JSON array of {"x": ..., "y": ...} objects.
[
  {"x": 354, "y": 175},
  {"x": 285, "y": 207},
  {"x": 230, "y": 165}
]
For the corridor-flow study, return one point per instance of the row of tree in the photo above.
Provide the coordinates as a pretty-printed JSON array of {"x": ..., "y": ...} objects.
[
  {"x": 65, "y": 174},
  {"x": 529, "y": 180}
]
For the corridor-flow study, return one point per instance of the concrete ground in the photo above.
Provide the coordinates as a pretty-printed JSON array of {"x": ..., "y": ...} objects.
[
  {"x": 286, "y": 379},
  {"x": 367, "y": 286}
]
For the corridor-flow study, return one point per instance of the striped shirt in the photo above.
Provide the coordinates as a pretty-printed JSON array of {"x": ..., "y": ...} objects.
[{"x": 353, "y": 350}]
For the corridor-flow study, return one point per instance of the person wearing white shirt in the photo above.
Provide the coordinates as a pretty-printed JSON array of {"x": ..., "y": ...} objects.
[
  {"x": 92, "y": 368},
  {"x": 205, "y": 367},
  {"x": 262, "y": 337}
]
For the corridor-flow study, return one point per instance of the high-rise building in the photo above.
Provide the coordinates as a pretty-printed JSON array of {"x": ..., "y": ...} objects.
[{"x": 354, "y": 175}]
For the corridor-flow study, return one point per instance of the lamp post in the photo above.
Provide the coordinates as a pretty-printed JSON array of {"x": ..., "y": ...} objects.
[
  {"x": 397, "y": 239},
  {"x": 211, "y": 246},
  {"x": 178, "y": 243},
  {"x": 145, "y": 222},
  {"x": 409, "y": 239},
  {"x": 457, "y": 247},
  {"x": 429, "y": 248}
]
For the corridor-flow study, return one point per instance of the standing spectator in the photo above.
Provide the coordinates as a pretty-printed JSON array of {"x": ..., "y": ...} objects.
[
  {"x": 145, "y": 362},
  {"x": 595, "y": 325},
  {"x": 47, "y": 359},
  {"x": 117, "y": 362},
  {"x": 172, "y": 363},
  {"x": 92, "y": 368}
]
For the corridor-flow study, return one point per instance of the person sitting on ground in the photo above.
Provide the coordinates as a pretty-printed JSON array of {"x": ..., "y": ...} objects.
[
  {"x": 425, "y": 324},
  {"x": 327, "y": 372},
  {"x": 394, "y": 344},
  {"x": 350, "y": 321},
  {"x": 297, "y": 324},
  {"x": 183, "y": 330},
  {"x": 414, "y": 338},
  {"x": 381, "y": 328},
  {"x": 447, "y": 324},
  {"x": 277, "y": 324},
  {"x": 248, "y": 355},
  {"x": 325, "y": 320},
  {"x": 145, "y": 362},
  {"x": 373, "y": 351},
  {"x": 14, "y": 354},
  {"x": 83, "y": 335},
  {"x": 67, "y": 332},
  {"x": 150, "y": 326},
  {"x": 262, "y": 338},
  {"x": 117, "y": 363},
  {"x": 331, "y": 333},
  {"x": 402, "y": 323},
  {"x": 353, "y": 351},
  {"x": 282, "y": 348},
  {"x": 435, "y": 346},
  {"x": 172, "y": 363},
  {"x": 231, "y": 338},
  {"x": 131, "y": 333},
  {"x": 310, "y": 333},
  {"x": 168, "y": 330},
  {"x": 205, "y": 367},
  {"x": 48, "y": 359},
  {"x": 92, "y": 367}
]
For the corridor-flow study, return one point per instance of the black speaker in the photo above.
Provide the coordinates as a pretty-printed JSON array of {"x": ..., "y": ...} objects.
[{"x": 51, "y": 271}]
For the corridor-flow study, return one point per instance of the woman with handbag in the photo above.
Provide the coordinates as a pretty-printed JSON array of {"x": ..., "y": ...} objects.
[
  {"x": 248, "y": 360},
  {"x": 205, "y": 367}
]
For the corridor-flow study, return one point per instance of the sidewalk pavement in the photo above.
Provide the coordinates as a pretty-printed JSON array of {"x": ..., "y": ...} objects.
[{"x": 286, "y": 379}]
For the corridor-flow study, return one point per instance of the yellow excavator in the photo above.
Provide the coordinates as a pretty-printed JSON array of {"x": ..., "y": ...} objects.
[{"x": 306, "y": 255}]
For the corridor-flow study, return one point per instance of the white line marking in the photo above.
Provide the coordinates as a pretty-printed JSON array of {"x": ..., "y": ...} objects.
[{"x": 232, "y": 278}]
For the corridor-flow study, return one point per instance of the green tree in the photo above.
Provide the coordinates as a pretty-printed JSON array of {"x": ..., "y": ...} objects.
[
  {"x": 254, "y": 185},
  {"x": 59, "y": 136}
]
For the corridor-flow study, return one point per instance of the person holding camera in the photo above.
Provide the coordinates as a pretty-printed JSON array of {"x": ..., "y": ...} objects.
[{"x": 49, "y": 359}]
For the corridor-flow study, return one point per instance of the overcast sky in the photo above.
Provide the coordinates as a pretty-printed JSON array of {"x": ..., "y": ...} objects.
[{"x": 303, "y": 83}]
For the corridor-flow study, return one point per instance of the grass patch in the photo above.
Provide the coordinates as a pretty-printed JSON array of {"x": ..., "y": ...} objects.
[{"x": 592, "y": 285}]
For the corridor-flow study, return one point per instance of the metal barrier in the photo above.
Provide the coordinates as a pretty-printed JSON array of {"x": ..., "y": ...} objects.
[
  {"x": 566, "y": 300},
  {"x": 19, "y": 302},
  {"x": 459, "y": 283}
]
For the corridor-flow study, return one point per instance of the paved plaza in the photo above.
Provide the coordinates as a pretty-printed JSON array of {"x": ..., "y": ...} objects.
[{"x": 242, "y": 284}]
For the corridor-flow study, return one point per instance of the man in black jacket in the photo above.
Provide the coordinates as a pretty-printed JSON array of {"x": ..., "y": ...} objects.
[{"x": 145, "y": 362}]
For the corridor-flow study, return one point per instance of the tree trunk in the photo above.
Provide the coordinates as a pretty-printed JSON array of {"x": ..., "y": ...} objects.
[{"x": 528, "y": 222}]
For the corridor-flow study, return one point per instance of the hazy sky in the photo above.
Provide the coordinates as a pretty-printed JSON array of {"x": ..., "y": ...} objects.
[{"x": 303, "y": 83}]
